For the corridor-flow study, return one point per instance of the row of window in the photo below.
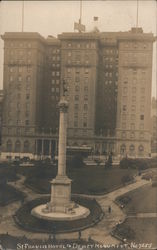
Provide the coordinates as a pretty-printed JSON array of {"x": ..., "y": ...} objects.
[
  {"x": 18, "y": 122},
  {"x": 132, "y": 117},
  {"x": 131, "y": 148},
  {"x": 136, "y": 45},
  {"x": 19, "y": 44},
  {"x": 81, "y": 45},
  {"x": 20, "y": 52},
  {"x": 17, "y": 146},
  {"x": 20, "y": 78},
  {"x": 54, "y": 51},
  {"x": 19, "y": 69},
  {"x": 132, "y": 135}
]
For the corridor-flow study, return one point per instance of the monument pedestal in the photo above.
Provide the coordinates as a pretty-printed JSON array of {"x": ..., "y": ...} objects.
[{"x": 61, "y": 195}]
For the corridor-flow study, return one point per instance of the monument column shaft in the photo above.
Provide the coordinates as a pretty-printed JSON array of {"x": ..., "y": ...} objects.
[{"x": 62, "y": 143}]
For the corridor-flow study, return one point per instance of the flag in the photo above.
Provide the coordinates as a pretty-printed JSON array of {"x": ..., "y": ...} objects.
[
  {"x": 79, "y": 27},
  {"x": 95, "y": 18}
]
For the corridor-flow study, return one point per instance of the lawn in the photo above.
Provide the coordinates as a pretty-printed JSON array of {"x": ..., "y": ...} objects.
[
  {"x": 141, "y": 200},
  {"x": 85, "y": 180},
  {"x": 9, "y": 194},
  {"x": 144, "y": 230},
  {"x": 140, "y": 230}
]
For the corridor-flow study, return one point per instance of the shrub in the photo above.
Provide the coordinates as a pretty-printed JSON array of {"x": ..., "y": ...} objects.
[
  {"x": 139, "y": 164},
  {"x": 126, "y": 178},
  {"x": 125, "y": 232},
  {"x": 76, "y": 161}
]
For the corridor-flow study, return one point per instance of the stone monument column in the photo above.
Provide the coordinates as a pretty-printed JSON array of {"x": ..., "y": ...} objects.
[
  {"x": 63, "y": 106},
  {"x": 61, "y": 185}
]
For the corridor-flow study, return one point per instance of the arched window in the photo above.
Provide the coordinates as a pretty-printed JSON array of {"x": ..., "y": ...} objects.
[
  {"x": 122, "y": 149},
  {"x": 17, "y": 146},
  {"x": 26, "y": 146},
  {"x": 132, "y": 147},
  {"x": 141, "y": 149},
  {"x": 9, "y": 146}
]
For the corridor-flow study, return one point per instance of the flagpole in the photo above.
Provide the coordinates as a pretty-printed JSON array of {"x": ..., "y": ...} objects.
[
  {"x": 22, "y": 15},
  {"x": 80, "y": 12},
  {"x": 137, "y": 14}
]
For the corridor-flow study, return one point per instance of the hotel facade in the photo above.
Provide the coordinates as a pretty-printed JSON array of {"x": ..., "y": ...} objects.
[{"x": 108, "y": 77}]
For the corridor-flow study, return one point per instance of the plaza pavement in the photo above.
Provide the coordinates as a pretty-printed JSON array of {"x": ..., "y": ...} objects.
[{"x": 101, "y": 232}]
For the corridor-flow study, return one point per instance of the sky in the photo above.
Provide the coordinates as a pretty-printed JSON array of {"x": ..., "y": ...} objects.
[{"x": 55, "y": 17}]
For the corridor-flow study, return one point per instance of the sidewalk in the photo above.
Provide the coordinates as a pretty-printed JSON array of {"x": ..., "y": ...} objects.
[{"x": 100, "y": 232}]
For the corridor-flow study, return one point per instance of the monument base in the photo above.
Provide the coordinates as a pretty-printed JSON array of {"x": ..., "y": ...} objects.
[
  {"x": 60, "y": 196},
  {"x": 78, "y": 212}
]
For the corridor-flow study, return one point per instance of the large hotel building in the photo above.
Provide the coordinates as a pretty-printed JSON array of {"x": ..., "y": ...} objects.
[{"x": 108, "y": 77}]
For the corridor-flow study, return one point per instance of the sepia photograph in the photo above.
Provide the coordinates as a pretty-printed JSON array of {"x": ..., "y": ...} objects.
[{"x": 78, "y": 124}]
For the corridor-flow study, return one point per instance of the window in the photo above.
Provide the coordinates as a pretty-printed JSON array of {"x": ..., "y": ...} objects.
[
  {"x": 133, "y": 98},
  {"x": 124, "y": 107},
  {"x": 68, "y": 70},
  {"x": 132, "y": 135},
  {"x": 141, "y": 126},
  {"x": 28, "y": 78},
  {"x": 77, "y": 78},
  {"x": 122, "y": 148},
  {"x": 27, "y": 106},
  {"x": 141, "y": 135},
  {"x": 133, "y": 117},
  {"x": 134, "y": 90},
  {"x": 19, "y": 78},
  {"x": 86, "y": 88},
  {"x": 69, "y": 44},
  {"x": 86, "y": 71},
  {"x": 76, "y": 106},
  {"x": 86, "y": 97},
  {"x": 20, "y": 69},
  {"x": 123, "y": 125},
  {"x": 29, "y": 45},
  {"x": 57, "y": 73},
  {"x": 85, "y": 106},
  {"x": 76, "y": 97},
  {"x": 9, "y": 146},
  {"x": 75, "y": 123},
  {"x": 133, "y": 108},
  {"x": 124, "y": 90},
  {"x": 141, "y": 117},
  {"x": 27, "y": 96},
  {"x": 26, "y": 122},
  {"x": 26, "y": 146},
  {"x": 17, "y": 146},
  {"x": 28, "y": 69},
  {"x": 84, "y": 124},
  {"x": 11, "y": 78},
  {"x": 123, "y": 135},
  {"x": 132, "y": 147},
  {"x": 27, "y": 86},
  {"x": 124, "y": 117},
  {"x": 77, "y": 88},
  {"x": 132, "y": 126},
  {"x": 11, "y": 70}
]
